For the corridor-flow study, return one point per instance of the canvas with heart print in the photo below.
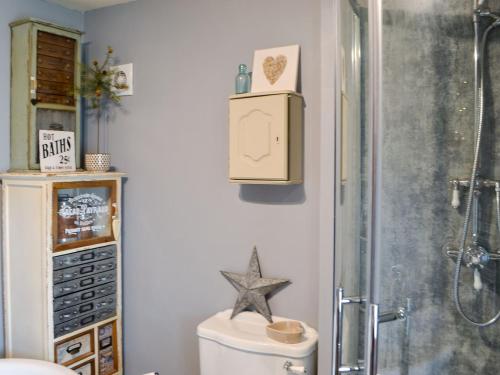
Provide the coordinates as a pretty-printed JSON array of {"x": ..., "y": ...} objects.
[{"x": 275, "y": 69}]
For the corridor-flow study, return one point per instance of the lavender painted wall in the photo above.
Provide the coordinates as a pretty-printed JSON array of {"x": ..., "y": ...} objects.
[{"x": 183, "y": 221}]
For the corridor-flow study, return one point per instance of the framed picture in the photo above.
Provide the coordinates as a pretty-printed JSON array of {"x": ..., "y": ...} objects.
[
  {"x": 82, "y": 213},
  {"x": 275, "y": 69}
]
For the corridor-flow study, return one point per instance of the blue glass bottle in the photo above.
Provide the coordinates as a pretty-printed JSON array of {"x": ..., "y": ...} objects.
[{"x": 242, "y": 80}]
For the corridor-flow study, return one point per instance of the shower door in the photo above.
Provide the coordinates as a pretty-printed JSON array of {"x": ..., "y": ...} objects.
[{"x": 405, "y": 73}]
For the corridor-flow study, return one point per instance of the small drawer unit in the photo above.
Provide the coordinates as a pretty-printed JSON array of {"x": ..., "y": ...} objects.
[
  {"x": 86, "y": 368},
  {"x": 75, "y": 348},
  {"x": 62, "y": 267},
  {"x": 84, "y": 296},
  {"x": 107, "y": 349},
  {"x": 93, "y": 306},
  {"x": 84, "y": 257},
  {"x": 81, "y": 282},
  {"x": 265, "y": 138}
]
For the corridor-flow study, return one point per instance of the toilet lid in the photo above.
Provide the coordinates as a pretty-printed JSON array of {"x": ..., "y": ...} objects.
[{"x": 247, "y": 331}]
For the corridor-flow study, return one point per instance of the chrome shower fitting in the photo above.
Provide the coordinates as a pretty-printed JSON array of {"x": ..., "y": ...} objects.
[
  {"x": 474, "y": 257},
  {"x": 474, "y": 254},
  {"x": 463, "y": 183}
]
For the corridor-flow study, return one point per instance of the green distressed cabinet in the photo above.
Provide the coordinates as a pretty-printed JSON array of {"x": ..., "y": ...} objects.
[{"x": 45, "y": 72}]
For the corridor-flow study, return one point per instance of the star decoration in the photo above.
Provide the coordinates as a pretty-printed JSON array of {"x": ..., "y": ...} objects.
[{"x": 253, "y": 288}]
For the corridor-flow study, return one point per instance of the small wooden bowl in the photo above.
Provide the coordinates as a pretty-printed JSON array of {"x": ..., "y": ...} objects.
[{"x": 286, "y": 331}]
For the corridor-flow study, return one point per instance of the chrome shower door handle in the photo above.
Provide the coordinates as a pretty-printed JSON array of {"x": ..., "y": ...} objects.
[
  {"x": 372, "y": 340},
  {"x": 338, "y": 317},
  {"x": 374, "y": 319}
]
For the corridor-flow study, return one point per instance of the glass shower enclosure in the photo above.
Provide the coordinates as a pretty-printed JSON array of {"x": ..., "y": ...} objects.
[{"x": 417, "y": 187}]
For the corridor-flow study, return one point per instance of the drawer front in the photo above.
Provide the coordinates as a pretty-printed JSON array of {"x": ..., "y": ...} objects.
[
  {"x": 55, "y": 88},
  {"x": 107, "y": 349},
  {"x": 59, "y": 40},
  {"x": 75, "y": 348},
  {"x": 55, "y": 99},
  {"x": 55, "y": 63},
  {"x": 83, "y": 321},
  {"x": 70, "y": 313},
  {"x": 43, "y": 74},
  {"x": 82, "y": 257},
  {"x": 83, "y": 283},
  {"x": 87, "y": 368},
  {"x": 71, "y": 273},
  {"x": 84, "y": 296},
  {"x": 53, "y": 50}
]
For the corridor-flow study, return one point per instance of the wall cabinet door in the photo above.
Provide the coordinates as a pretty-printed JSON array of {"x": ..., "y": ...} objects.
[
  {"x": 258, "y": 133},
  {"x": 83, "y": 213}
]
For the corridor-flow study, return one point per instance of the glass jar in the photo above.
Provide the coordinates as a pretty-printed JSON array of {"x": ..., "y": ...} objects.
[{"x": 242, "y": 80}]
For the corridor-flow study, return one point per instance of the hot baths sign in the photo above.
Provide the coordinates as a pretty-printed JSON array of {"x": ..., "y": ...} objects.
[{"x": 57, "y": 151}]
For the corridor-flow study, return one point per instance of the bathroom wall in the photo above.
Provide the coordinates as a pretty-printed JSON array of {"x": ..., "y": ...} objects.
[
  {"x": 11, "y": 10},
  {"x": 183, "y": 221}
]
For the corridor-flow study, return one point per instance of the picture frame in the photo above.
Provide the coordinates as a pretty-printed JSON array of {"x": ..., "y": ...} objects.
[{"x": 276, "y": 69}]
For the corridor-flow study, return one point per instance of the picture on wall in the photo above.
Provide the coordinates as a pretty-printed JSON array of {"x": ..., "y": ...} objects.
[{"x": 275, "y": 69}]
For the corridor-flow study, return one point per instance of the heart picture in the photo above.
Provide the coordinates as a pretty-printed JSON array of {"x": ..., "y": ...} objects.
[{"x": 274, "y": 68}]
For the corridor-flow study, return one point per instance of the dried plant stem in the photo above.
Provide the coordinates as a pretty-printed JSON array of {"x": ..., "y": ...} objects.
[{"x": 98, "y": 129}]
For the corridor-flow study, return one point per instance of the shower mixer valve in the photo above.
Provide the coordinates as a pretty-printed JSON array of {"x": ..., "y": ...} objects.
[
  {"x": 463, "y": 183},
  {"x": 475, "y": 257}
]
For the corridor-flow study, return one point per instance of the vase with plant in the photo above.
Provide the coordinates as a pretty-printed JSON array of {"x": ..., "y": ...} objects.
[{"x": 99, "y": 87}]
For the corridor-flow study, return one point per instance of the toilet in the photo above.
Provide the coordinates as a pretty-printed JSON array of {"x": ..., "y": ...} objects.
[{"x": 241, "y": 346}]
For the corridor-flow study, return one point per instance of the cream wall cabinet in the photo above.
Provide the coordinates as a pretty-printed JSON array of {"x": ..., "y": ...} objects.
[
  {"x": 45, "y": 71},
  {"x": 62, "y": 269},
  {"x": 265, "y": 138}
]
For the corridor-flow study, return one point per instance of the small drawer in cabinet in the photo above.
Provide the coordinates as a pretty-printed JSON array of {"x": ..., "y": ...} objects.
[
  {"x": 83, "y": 321},
  {"x": 84, "y": 296},
  {"x": 107, "y": 349},
  {"x": 54, "y": 50},
  {"x": 85, "y": 256},
  {"x": 62, "y": 316},
  {"x": 54, "y": 75},
  {"x": 55, "y": 99},
  {"x": 55, "y": 63},
  {"x": 73, "y": 286},
  {"x": 84, "y": 270},
  {"x": 75, "y": 348},
  {"x": 55, "y": 88},
  {"x": 55, "y": 39},
  {"x": 86, "y": 368}
]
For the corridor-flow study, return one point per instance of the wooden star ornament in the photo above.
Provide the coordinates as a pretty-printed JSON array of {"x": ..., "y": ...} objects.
[{"x": 253, "y": 288}]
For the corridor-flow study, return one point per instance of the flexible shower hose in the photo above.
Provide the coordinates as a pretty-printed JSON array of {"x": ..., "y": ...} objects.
[{"x": 478, "y": 118}]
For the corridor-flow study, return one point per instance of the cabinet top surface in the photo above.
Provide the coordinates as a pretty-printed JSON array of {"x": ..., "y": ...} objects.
[
  {"x": 44, "y": 23},
  {"x": 78, "y": 175},
  {"x": 267, "y": 93}
]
